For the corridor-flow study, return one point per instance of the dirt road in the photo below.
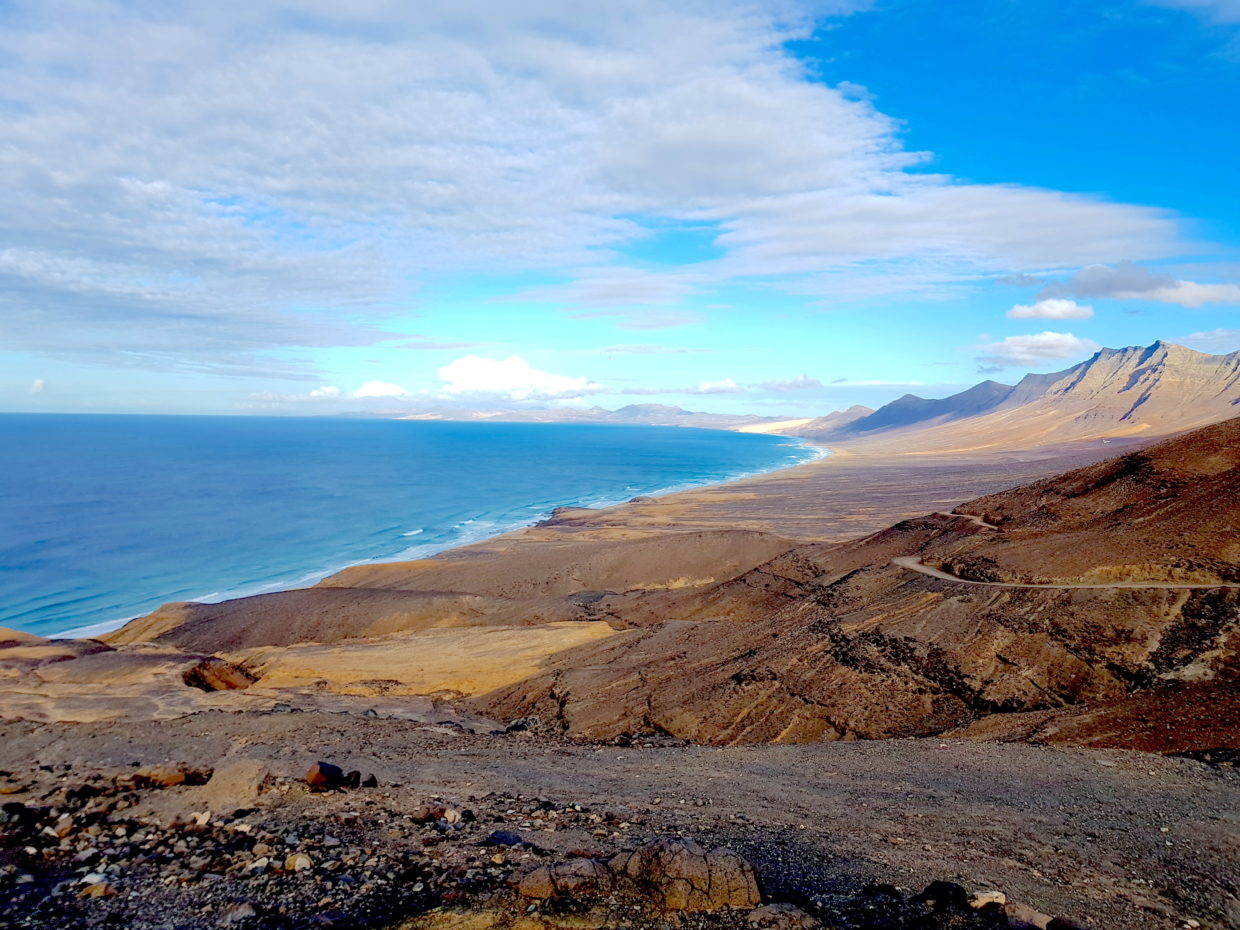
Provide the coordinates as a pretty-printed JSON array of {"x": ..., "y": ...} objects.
[{"x": 912, "y": 563}]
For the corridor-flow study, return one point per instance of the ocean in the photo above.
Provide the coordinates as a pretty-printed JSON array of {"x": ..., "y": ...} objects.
[{"x": 104, "y": 518}]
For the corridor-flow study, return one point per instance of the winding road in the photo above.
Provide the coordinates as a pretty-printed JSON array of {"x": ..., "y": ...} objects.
[{"x": 914, "y": 564}]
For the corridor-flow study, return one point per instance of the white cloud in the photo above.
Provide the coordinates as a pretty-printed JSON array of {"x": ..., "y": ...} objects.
[
  {"x": 1034, "y": 349},
  {"x": 1052, "y": 308},
  {"x": 799, "y": 383},
  {"x": 482, "y": 134},
  {"x": 512, "y": 379},
  {"x": 380, "y": 389},
  {"x": 1130, "y": 281},
  {"x": 37, "y": 386},
  {"x": 1189, "y": 294},
  {"x": 725, "y": 386},
  {"x": 1215, "y": 340},
  {"x": 327, "y": 391},
  {"x": 1218, "y": 11}
]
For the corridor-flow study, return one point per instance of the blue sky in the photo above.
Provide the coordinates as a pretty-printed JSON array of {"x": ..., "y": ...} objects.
[{"x": 783, "y": 207}]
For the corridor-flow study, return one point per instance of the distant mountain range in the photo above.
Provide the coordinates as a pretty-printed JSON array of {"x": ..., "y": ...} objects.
[
  {"x": 1135, "y": 392},
  {"x": 1143, "y": 392},
  {"x": 637, "y": 414}
]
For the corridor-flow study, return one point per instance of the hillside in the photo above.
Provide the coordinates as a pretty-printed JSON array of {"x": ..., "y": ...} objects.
[
  {"x": 838, "y": 642},
  {"x": 1153, "y": 391}
]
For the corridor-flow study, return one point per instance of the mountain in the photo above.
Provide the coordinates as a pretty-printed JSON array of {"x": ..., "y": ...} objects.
[
  {"x": 827, "y": 425},
  {"x": 638, "y": 414},
  {"x": 1153, "y": 391}
]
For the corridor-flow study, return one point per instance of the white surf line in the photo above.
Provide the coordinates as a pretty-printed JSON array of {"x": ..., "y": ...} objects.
[{"x": 912, "y": 563}]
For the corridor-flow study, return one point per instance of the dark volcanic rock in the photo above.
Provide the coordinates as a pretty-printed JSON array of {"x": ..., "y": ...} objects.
[{"x": 323, "y": 776}]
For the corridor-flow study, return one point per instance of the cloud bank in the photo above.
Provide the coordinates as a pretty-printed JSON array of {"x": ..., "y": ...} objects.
[
  {"x": 512, "y": 379},
  {"x": 1034, "y": 349},
  {"x": 197, "y": 187},
  {"x": 1127, "y": 280},
  {"x": 1052, "y": 308}
]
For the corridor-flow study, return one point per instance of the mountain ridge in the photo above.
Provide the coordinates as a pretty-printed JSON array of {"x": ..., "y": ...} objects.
[{"x": 1150, "y": 391}]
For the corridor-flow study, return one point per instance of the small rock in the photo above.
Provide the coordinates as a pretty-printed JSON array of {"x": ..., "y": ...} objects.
[
  {"x": 982, "y": 898},
  {"x": 98, "y": 890},
  {"x": 298, "y": 862},
  {"x": 169, "y": 776},
  {"x": 503, "y": 838},
  {"x": 238, "y": 913},
  {"x": 782, "y": 917},
  {"x": 1065, "y": 923}
]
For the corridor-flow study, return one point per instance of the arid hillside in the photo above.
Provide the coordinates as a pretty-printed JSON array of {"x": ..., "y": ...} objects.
[{"x": 1107, "y": 582}]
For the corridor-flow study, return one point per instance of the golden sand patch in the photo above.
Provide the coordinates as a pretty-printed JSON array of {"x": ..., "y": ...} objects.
[{"x": 464, "y": 661}]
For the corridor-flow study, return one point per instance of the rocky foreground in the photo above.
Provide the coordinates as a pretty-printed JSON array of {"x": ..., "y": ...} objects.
[
  {"x": 431, "y": 826},
  {"x": 105, "y": 849}
]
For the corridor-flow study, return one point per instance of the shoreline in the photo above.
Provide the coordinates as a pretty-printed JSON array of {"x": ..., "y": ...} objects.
[{"x": 434, "y": 550}]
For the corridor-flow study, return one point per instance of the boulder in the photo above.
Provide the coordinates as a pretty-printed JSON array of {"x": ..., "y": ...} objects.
[
  {"x": 944, "y": 896},
  {"x": 982, "y": 898},
  {"x": 1023, "y": 917},
  {"x": 234, "y": 785},
  {"x": 573, "y": 878},
  {"x": 679, "y": 875},
  {"x": 323, "y": 776}
]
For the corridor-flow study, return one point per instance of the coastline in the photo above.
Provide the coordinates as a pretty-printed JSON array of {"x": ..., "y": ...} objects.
[
  {"x": 686, "y": 538},
  {"x": 462, "y": 541}
]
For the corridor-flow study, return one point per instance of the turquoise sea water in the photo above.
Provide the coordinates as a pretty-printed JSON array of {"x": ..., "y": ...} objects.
[{"x": 103, "y": 518}]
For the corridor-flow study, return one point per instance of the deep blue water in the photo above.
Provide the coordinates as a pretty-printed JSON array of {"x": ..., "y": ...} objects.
[{"x": 103, "y": 518}]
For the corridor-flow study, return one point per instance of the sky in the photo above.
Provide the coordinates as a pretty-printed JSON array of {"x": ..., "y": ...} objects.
[{"x": 783, "y": 207}]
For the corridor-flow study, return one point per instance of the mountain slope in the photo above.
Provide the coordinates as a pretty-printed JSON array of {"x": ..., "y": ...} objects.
[
  {"x": 1153, "y": 391},
  {"x": 838, "y": 642}
]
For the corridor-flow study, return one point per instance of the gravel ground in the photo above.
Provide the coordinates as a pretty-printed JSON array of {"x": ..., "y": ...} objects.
[{"x": 1113, "y": 839}]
